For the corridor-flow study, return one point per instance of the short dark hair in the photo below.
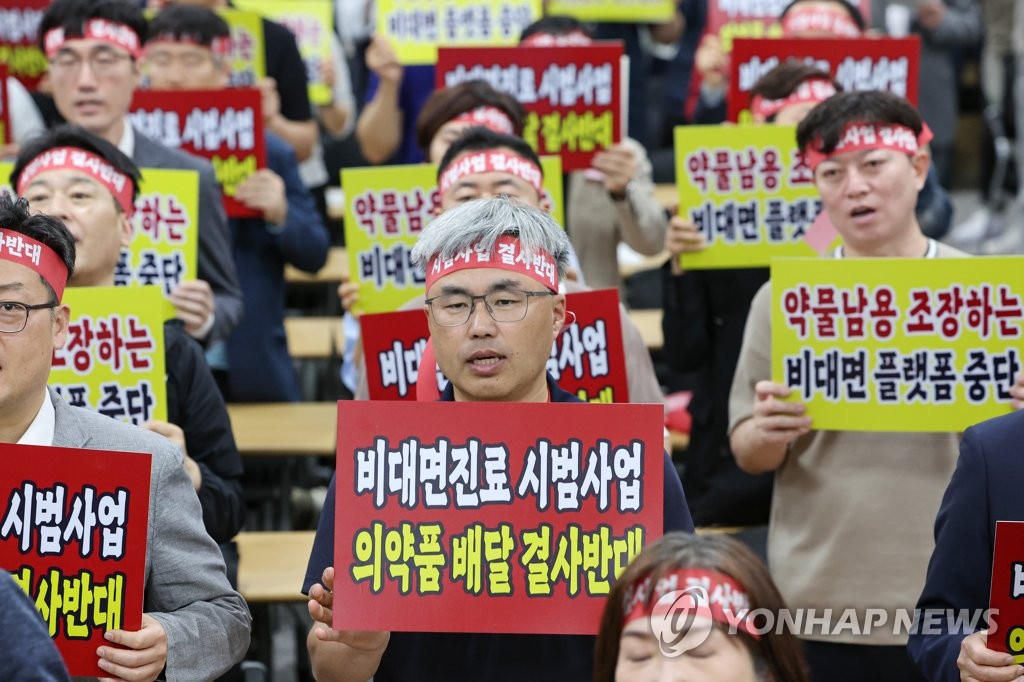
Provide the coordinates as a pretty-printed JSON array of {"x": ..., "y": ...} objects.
[
  {"x": 850, "y": 8},
  {"x": 478, "y": 139},
  {"x": 71, "y": 15},
  {"x": 189, "y": 22},
  {"x": 825, "y": 123},
  {"x": 45, "y": 229},
  {"x": 555, "y": 25},
  {"x": 447, "y": 103},
  {"x": 68, "y": 135}
]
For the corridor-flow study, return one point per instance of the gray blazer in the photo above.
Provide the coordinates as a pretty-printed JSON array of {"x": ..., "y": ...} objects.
[
  {"x": 216, "y": 262},
  {"x": 207, "y": 623}
]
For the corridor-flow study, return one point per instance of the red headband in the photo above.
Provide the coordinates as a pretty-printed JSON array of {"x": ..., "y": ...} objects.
[
  {"x": 832, "y": 21},
  {"x": 495, "y": 161},
  {"x": 812, "y": 90},
  {"x": 727, "y": 603},
  {"x": 489, "y": 117},
  {"x": 857, "y": 137},
  {"x": 110, "y": 32},
  {"x": 72, "y": 158},
  {"x": 575, "y": 38},
  {"x": 37, "y": 257},
  {"x": 219, "y": 46},
  {"x": 507, "y": 255}
]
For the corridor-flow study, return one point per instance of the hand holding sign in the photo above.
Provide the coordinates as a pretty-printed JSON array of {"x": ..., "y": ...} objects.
[
  {"x": 978, "y": 663},
  {"x": 193, "y": 302},
  {"x": 382, "y": 60},
  {"x": 264, "y": 191},
  {"x": 711, "y": 61},
  {"x": 365, "y": 646},
  {"x": 619, "y": 165},
  {"x": 145, "y": 655},
  {"x": 760, "y": 442},
  {"x": 682, "y": 237}
]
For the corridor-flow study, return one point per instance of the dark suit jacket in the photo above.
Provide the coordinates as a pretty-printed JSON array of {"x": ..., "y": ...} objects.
[
  {"x": 215, "y": 263},
  {"x": 260, "y": 368},
  {"x": 207, "y": 623},
  {"x": 986, "y": 487}
]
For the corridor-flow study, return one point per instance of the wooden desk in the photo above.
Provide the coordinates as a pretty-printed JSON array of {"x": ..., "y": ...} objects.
[
  {"x": 272, "y": 565},
  {"x": 314, "y": 338},
  {"x": 282, "y": 429},
  {"x": 666, "y": 195},
  {"x": 331, "y": 272},
  {"x": 648, "y": 263},
  {"x": 649, "y": 324}
]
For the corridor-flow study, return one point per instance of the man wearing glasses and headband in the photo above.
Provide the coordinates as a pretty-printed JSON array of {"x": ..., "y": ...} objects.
[
  {"x": 493, "y": 313},
  {"x": 194, "y": 626}
]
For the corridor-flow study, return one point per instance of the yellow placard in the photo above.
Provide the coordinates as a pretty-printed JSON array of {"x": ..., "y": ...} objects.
[
  {"x": 247, "y": 56},
  {"x": 418, "y": 27},
  {"x": 622, "y": 11},
  {"x": 895, "y": 344},
  {"x": 5, "y": 177},
  {"x": 310, "y": 21},
  {"x": 385, "y": 210},
  {"x": 747, "y": 191},
  {"x": 554, "y": 192},
  {"x": 113, "y": 358},
  {"x": 164, "y": 247},
  {"x": 746, "y": 28}
]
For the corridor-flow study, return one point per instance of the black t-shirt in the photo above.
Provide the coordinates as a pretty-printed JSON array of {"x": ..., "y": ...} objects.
[{"x": 284, "y": 64}]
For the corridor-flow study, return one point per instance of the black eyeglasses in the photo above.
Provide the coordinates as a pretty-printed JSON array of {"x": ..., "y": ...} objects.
[
  {"x": 14, "y": 315},
  {"x": 507, "y": 305}
]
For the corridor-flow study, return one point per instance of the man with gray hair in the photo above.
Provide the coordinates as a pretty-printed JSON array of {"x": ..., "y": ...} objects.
[{"x": 509, "y": 257}]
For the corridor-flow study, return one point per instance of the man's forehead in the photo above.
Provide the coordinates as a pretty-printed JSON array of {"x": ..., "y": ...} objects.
[
  {"x": 481, "y": 279},
  {"x": 58, "y": 177},
  {"x": 170, "y": 45}
]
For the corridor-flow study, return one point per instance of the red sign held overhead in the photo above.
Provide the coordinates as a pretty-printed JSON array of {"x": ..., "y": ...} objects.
[
  {"x": 572, "y": 95},
  {"x": 889, "y": 64},
  {"x": 491, "y": 517},
  {"x": 224, "y": 126},
  {"x": 587, "y": 359},
  {"x": 73, "y": 527}
]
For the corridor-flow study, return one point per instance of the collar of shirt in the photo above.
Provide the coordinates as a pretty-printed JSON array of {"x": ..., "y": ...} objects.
[
  {"x": 127, "y": 143},
  {"x": 931, "y": 252},
  {"x": 40, "y": 431}
]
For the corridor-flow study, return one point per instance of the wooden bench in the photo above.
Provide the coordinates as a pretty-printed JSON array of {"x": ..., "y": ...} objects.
[
  {"x": 330, "y": 273},
  {"x": 285, "y": 429},
  {"x": 666, "y": 195},
  {"x": 272, "y": 565},
  {"x": 649, "y": 324},
  {"x": 314, "y": 338},
  {"x": 648, "y": 263}
]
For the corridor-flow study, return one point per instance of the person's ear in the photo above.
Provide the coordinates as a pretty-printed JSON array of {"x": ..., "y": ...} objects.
[
  {"x": 558, "y": 313},
  {"x": 921, "y": 161},
  {"x": 61, "y": 318},
  {"x": 126, "y": 229}
]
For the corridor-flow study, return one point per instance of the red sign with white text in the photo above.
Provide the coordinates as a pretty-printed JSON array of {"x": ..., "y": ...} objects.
[
  {"x": 19, "y": 46},
  {"x": 734, "y": 19},
  {"x": 572, "y": 95},
  {"x": 224, "y": 126},
  {"x": 889, "y": 64},
  {"x": 73, "y": 527},
  {"x": 587, "y": 359},
  {"x": 1006, "y": 600},
  {"x": 491, "y": 517}
]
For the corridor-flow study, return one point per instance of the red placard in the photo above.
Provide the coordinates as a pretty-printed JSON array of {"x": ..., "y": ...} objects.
[
  {"x": 5, "y": 111},
  {"x": 572, "y": 95},
  {"x": 1006, "y": 600},
  {"x": 587, "y": 359},
  {"x": 889, "y": 64},
  {"x": 73, "y": 535},
  {"x": 733, "y": 19},
  {"x": 491, "y": 517},
  {"x": 224, "y": 126},
  {"x": 19, "y": 51}
]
